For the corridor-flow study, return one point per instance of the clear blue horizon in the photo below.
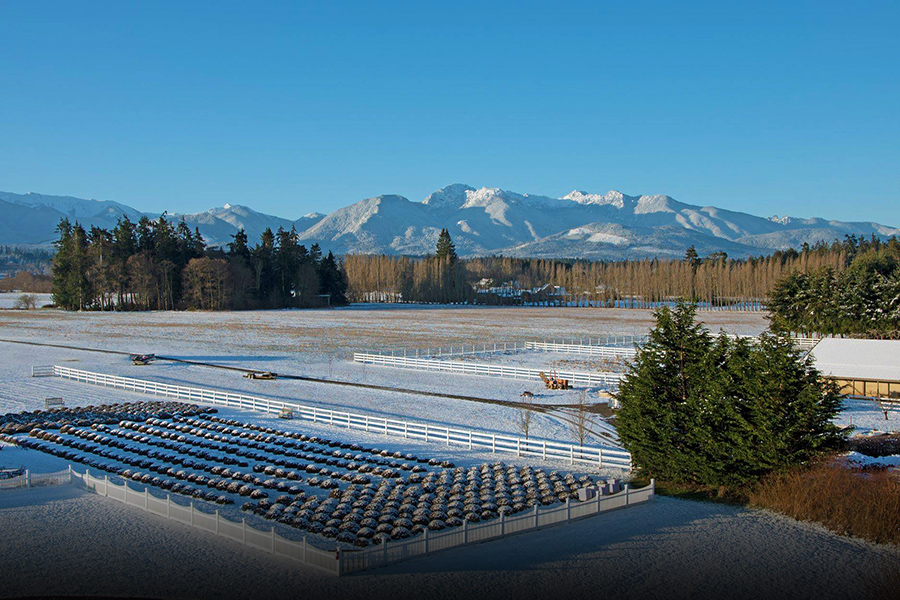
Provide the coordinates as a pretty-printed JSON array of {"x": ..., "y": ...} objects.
[{"x": 770, "y": 108}]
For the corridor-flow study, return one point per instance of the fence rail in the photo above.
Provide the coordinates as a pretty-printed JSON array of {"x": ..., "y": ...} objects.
[
  {"x": 608, "y": 380},
  {"x": 267, "y": 541},
  {"x": 589, "y": 350},
  {"x": 532, "y": 520},
  {"x": 467, "y": 438},
  {"x": 30, "y": 480},
  {"x": 624, "y": 341},
  {"x": 342, "y": 562}
]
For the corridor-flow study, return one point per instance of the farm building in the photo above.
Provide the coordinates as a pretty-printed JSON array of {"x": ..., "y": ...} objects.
[{"x": 863, "y": 368}]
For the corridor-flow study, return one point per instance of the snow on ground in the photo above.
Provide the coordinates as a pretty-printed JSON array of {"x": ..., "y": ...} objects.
[
  {"x": 868, "y": 417},
  {"x": 65, "y": 541},
  {"x": 19, "y": 391},
  {"x": 537, "y": 359},
  {"x": 70, "y": 542},
  {"x": 8, "y": 299},
  {"x": 880, "y": 461}
]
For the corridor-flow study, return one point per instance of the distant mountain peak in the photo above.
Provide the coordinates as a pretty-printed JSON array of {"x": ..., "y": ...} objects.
[
  {"x": 452, "y": 196},
  {"x": 483, "y": 221}
]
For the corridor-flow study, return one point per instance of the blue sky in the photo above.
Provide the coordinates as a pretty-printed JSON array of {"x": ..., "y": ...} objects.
[{"x": 770, "y": 108}]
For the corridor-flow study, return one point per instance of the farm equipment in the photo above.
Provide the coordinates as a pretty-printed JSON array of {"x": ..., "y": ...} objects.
[
  {"x": 286, "y": 413},
  {"x": 142, "y": 359},
  {"x": 267, "y": 375},
  {"x": 553, "y": 382}
]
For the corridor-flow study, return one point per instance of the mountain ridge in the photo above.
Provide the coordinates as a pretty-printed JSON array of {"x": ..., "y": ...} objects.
[{"x": 482, "y": 221}]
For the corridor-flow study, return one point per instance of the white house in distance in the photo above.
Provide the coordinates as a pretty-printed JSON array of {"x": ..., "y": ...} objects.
[{"x": 862, "y": 368}]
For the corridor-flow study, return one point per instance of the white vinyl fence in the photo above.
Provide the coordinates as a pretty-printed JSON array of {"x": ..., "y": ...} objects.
[
  {"x": 31, "y": 480},
  {"x": 583, "y": 349},
  {"x": 268, "y": 541},
  {"x": 467, "y": 438},
  {"x": 616, "y": 341},
  {"x": 344, "y": 561},
  {"x": 537, "y": 518},
  {"x": 608, "y": 380}
]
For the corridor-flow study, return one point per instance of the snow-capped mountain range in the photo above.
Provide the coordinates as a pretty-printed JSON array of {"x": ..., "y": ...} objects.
[{"x": 481, "y": 222}]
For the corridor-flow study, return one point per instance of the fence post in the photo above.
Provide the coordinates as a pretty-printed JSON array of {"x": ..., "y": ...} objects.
[
  {"x": 303, "y": 554},
  {"x": 503, "y": 524},
  {"x": 426, "y": 432},
  {"x": 652, "y": 488},
  {"x": 27, "y": 479},
  {"x": 535, "y": 516},
  {"x": 465, "y": 531},
  {"x": 493, "y": 443},
  {"x": 568, "y": 511},
  {"x": 627, "y": 494},
  {"x": 470, "y": 440},
  {"x": 272, "y": 536},
  {"x": 425, "y": 537},
  {"x": 518, "y": 447}
]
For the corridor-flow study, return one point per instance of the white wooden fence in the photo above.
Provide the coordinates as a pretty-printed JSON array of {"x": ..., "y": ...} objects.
[
  {"x": 584, "y": 349},
  {"x": 609, "y": 380},
  {"x": 345, "y": 561},
  {"x": 268, "y": 541},
  {"x": 30, "y": 480},
  {"x": 537, "y": 518},
  {"x": 617, "y": 341},
  {"x": 468, "y": 438}
]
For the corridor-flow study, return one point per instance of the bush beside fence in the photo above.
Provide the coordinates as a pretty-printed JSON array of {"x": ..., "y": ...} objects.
[{"x": 466, "y": 438}]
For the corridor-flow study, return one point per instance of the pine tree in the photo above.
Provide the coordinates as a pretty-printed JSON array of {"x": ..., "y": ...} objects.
[
  {"x": 720, "y": 412},
  {"x": 445, "y": 248}
]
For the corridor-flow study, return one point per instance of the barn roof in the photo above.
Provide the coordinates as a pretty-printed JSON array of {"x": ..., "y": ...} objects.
[{"x": 858, "y": 359}]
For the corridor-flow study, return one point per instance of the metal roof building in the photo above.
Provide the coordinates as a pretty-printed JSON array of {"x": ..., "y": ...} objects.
[{"x": 865, "y": 368}]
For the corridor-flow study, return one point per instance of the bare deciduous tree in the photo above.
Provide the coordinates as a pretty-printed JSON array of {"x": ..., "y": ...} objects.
[
  {"x": 525, "y": 413},
  {"x": 25, "y": 302},
  {"x": 580, "y": 419}
]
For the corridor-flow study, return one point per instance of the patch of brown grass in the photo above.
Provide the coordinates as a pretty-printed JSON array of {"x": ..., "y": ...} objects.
[{"x": 859, "y": 502}]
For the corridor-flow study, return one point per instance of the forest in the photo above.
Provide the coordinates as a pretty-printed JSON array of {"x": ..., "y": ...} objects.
[
  {"x": 858, "y": 297},
  {"x": 849, "y": 287},
  {"x": 715, "y": 280},
  {"x": 157, "y": 265}
]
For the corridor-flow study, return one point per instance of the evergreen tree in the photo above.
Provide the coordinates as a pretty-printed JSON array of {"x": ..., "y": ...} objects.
[
  {"x": 720, "y": 412},
  {"x": 62, "y": 266},
  {"x": 445, "y": 248}
]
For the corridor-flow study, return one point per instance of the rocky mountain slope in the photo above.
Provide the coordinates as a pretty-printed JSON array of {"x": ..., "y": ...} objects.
[{"x": 481, "y": 221}]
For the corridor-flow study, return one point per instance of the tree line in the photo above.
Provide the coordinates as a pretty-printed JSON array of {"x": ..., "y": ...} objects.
[
  {"x": 158, "y": 265},
  {"x": 713, "y": 280},
  {"x": 439, "y": 278},
  {"x": 859, "y": 296}
]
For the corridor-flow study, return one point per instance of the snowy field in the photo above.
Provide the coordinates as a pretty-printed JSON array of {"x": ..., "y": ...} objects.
[
  {"x": 68, "y": 542},
  {"x": 547, "y": 361},
  {"x": 670, "y": 549},
  {"x": 8, "y": 299}
]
